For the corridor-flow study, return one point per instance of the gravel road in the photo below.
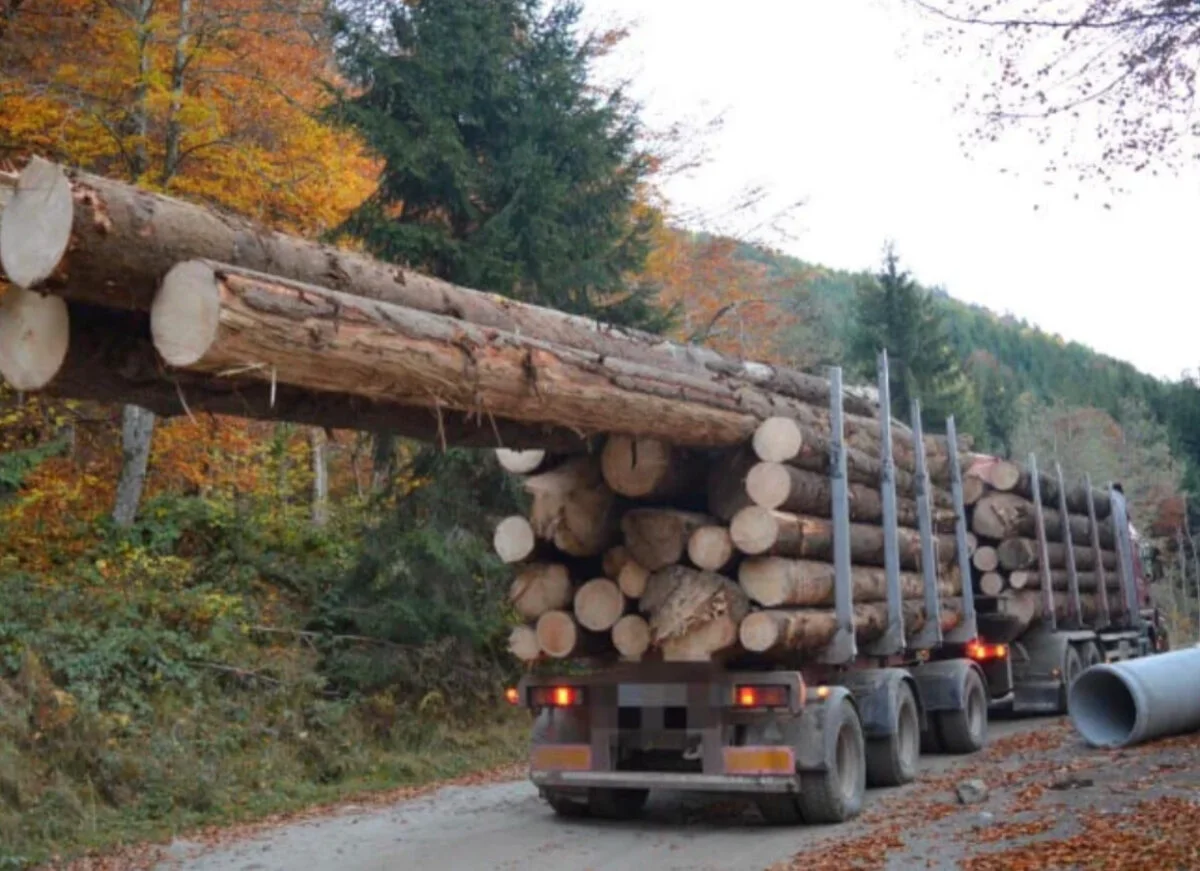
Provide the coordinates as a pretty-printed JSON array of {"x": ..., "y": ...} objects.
[{"x": 506, "y": 826}]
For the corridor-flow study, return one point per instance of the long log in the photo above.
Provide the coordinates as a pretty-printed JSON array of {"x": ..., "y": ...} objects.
[
  {"x": 693, "y": 614},
  {"x": 103, "y": 241},
  {"x": 658, "y": 537},
  {"x": 785, "y": 440},
  {"x": 727, "y": 483},
  {"x": 110, "y": 358},
  {"x": 1009, "y": 515},
  {"x": 1022, "y": 553},
  {"x": 789, "y": 488},
  {"x": 760, "y": 531},
  {"x": 573, "y": 507},
  {"x": 809, "y": 630},
  {"x": 1048, "y": 486},
  {"x": 1024, "y": 606},
  {"x": 774, "y": 582},
  {"x": 212, "y": 318},
  {"x": 651, "y": 469},
  {"x": 1059, "y": 580}
]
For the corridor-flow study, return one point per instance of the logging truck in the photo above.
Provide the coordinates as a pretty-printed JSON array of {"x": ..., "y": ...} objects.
[{"x": 805, "y": 734}]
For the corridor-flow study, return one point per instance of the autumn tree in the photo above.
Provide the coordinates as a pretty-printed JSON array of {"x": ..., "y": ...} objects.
[
  {"x": 209, "y": 99},
  {"x": 1113, "y": 81}
]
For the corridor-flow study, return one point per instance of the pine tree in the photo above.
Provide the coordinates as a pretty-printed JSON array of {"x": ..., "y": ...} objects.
[{"x": 892, "y": 311}]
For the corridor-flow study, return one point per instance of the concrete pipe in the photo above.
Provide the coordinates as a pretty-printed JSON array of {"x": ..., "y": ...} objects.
[{"x": 1122, "y": 703}]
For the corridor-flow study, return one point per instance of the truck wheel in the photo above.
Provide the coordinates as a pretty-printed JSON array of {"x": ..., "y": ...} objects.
[
  {"x": 836, "y": 794},
  {"x": 568, "y": 805},
  {"x": 892, "y": 760},
  {"x": 617, "y": 804},
  {"x": 1072, "y": 667},
  {"x": 1090, "y": 654},
  {"x": 965, "y": 730}
]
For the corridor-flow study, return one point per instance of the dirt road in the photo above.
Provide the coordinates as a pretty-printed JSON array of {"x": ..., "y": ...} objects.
[{"x": 506, "y": 826}]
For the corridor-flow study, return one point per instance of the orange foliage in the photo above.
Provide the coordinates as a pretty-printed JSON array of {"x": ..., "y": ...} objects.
[{"x": 729, "y": 303}]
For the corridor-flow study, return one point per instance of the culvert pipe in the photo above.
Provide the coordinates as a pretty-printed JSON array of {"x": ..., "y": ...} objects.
[{"x": 1123, "y": 703}]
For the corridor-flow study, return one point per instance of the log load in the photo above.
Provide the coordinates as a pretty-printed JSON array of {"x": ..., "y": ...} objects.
[
  {"x": 1022, "y": 553},
  {"x": 1007, "y": 515},
  {"x": 1022, "y": 607},
  {"x": 98, "y": 240},
  {"x": 760, "y": 531},
  {"x": 808, "y": 630},
  {"x": 774, "y": 581},
  {"x": 789, "y": 488}
]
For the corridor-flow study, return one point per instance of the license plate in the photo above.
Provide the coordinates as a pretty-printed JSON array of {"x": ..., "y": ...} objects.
[
  {"x": 760, "y": 760},
  {"x": 562, "y": 757}
]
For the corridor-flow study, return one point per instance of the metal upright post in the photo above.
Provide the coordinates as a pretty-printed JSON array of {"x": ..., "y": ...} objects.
[
  {"x": 1074, "y": 611},
  {"x": 1039, "y": 514},
  {"x": 1105, "y": 615},
  {"x": 931, "y": 632},
  {"x": 967, "y": 629},
  {"x": 892, "y": 641},
  {"x": 843, "y": 648},
  {"x": 1125, "y": 556}
]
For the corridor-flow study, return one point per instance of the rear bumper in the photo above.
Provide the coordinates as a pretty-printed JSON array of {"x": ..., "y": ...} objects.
[{"x": 664, "y": 780}]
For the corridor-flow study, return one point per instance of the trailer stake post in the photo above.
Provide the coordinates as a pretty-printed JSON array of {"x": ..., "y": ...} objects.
[
  {"x": 931, "y": 631},
  {"x": 843, "y": 648},
  {"x": 1074, "y": 610},
  {"x": 1043, "y": 555},
  {"x": 892, "y": 641},
  {"x": 967, "y": 629},
  {"x": 1105, "y": 616}
]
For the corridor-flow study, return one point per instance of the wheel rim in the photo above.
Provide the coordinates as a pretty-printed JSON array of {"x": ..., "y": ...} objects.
[
  {"x": 848, "y": 763},
  {"x": 909, "y": 736},
  {"x": 975, "y": 712}
]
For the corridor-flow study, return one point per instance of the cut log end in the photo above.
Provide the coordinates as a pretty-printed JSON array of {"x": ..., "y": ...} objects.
[
  {"x": 557, "y": 634},
  {"x": 34, "y": 334},
  {"x": 754, "y": 529},
  {"x": 523, "y": 644},
  {"x": 710, "y": 548},
  {"x": 599, "y": 604},
  {"x": 986, "y": 558},
  {"x": 1004, "y": 475},
  {"x": 631, "y": 637},
  {"x": 769, "y": 485},
  {"x": 991, "y": 583},
  {"x": 777, "y": 440},
  {"x": 633, "y": 579},
  {"x": 520, "y": 462},
  {"x": 186, "y": 313},
  {"x": 514, "y": 540},
  {"x": 35, "y": 228},
  {"x": 761, "y": 631},
  {"x": 539, "y": 588},
  {"x": 635, "y": 467}
]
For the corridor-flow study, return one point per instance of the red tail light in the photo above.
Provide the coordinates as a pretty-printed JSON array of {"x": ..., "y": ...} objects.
[
  {"x": 981, "y": 652},
  {"x": 555, "y": 697},
  {"x": 760, "y": 696}
]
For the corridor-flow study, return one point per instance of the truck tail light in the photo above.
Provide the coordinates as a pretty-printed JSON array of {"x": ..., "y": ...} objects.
[
  {"x": 748, "y": 696},
  {"x": 512, "y": 696},
  {"x": 981, "y": 652},
  {"x": 555, "y": 697}
]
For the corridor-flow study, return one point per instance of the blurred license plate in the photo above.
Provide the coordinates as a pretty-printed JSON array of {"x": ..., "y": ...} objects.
[{"x": 562, "y": 757}]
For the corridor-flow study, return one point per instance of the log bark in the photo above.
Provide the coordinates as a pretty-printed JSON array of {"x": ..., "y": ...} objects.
[
  {"x": 599, "y": 604},
  {"x": 693, "y": 614},
  {"x": 1025, "y": 606},
  {"x": 710, "y": 548},
  {"x": 788, "y": 488},
  {"x": 808, "y": 630},
  {"x": 614, "y": 560},
  {"x": 34, "y": 336},
  {"x": 651, "y": 470},
  {"x": 514, "y": 540},
  {"x": 1059, "y": 580},
  {"x": 523, "y": 644},
  {"x": 110, "y": 358},
  {"x": 559, "y": 636},
  {"x": 658, "y": 537},
  {"x": 631, "y": 637},
  {"x": 573, "y": 507},
  {"x": 212, "y": 318},
  {"x": 986, "y": 559},
  {"x": 1009, "y": 515},
  {"x": 759, "y": 531},
  {"x": 784, "y": 440},
  {"x": 1076, "y": 494},
  {"x": 123, "y": 240},
  {"x": 774, "y": 582},
  {"x": 540, "y": 587},
  {"x": 1022, "y": 553},
  {"x": 992, "y": 583}
]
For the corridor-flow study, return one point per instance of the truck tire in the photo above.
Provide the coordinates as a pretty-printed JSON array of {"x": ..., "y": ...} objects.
[
  {"x": 617, "y": 804},
  {"x": 892, "y": 760},
  {"x": 1072, "y": 668},
  {"x": 836, "y": 794},
  {"x": 965, "y": 730}
]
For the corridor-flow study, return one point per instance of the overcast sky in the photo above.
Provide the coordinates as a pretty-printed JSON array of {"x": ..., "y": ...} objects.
[{"x": 833, "y": 102}]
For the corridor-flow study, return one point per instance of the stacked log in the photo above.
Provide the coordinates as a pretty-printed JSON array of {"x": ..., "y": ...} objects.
[{"x": 1007, "y": 563}]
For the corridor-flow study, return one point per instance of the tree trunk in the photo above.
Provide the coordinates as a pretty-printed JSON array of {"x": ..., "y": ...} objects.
[
  {"x": 810, "y": 630},
  {"x": 651, "y": 470},
  {"x": 1022, "y": 553},
  {"x": 631, "y": 637},
  {"x": 383, "y": 462},
  {"x": 573, "y": 507},
  {"x": 773, "y": 581},
  {"x": 986, "y": 559},
  {"x": 123, "y": 240},
  {"x": 320, "y": 468},
  {"x": 693, "y": 614},
  {"x": 110, "y": 358},
  {"x": 784, "y": 440},
  {"x": 758, "y": 530},
  {"x": 710, "y": 548},
  {"x": 658, "y": 537},
  {"x": 788, "y": 488},
  {"x": 540, "y": 587},
  {"x": 599, "y": 604},
  {"x": 137, "y": 432},
  {"x": 1009, "y": 515}
]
